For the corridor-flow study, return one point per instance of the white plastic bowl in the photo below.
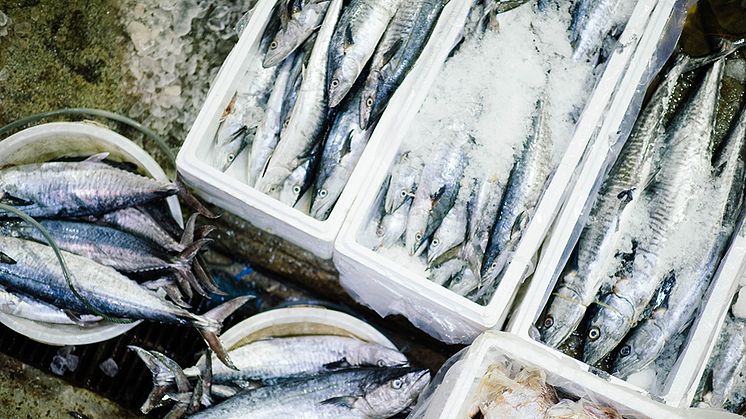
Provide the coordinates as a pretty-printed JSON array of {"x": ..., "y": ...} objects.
[{"x": 74, "y": 139}]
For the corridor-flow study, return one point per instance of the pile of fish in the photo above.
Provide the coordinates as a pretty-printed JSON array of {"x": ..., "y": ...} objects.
[
  {"x": 304, "y": 114},
  {"x": 124, "y": 251},
  {"x": 509, "y": 391},
  {"x": 313, "y": 376},
  {"x": 724, "y": 383},
  {"x": 461, "y": 213},
  {"x": 658, "y": 228}
]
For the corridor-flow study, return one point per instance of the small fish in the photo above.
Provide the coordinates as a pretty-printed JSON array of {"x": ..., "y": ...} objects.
[
  {"x": 295, "y": 31},
  {"x": 359, "y": 30},
  {"x": 19, "y": 305},
  {"x": 464, "y": 284},
  {"x": 404, "y": 178}
]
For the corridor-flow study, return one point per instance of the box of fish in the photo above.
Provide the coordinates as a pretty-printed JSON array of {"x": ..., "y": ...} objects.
[
  {"x": 447, "y": 229},
  {"x": 642, "y": 241},
  {"x": 295, "y": 362},
  {"x": 286, "y": 137},
  {"x": 505, "y": 376},
  {"x": 121, "y": 256}
]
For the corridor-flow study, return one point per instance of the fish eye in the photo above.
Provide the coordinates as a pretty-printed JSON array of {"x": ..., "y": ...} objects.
[
  {"x": 286, "y": 123},
  {"x": 397, "y": 384},
  {"x": 418, "y": 236},
  {"x": 403, "y": 193},
  {"x": 322, "y": 193},
  {"x": 273, "y": 45},
  {"x": 435, "y": 243},
  {"x": 625, "y": 351},
  {"x": 494, "y": 265},
  {"x": 594, "y": 334},
  {"x": 381, "y": 363},
  {"x": 380, "y": 231},
  {"x": 296, "y": 189},
  {"x": 335, "y": 83},
  {"x": 369, "y": 102},
  {"x": 548, "y": 322},
  {"x": 231, "y": 157}
]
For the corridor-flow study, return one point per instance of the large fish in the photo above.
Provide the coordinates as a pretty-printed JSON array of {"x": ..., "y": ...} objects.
[
  {"x": 682, "y": 167},
  {"x": 356, "y": 393},
  {"x": 33, "y": 269},
  {"x": 609, "y": 217},
  {"x": 295, "y": 30},
  {"x": 308, "y": 117},
  {"x": 360, "y": 28},
  {"x": 401, "y": 45}
]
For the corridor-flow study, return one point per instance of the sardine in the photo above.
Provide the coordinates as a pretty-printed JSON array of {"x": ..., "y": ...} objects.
[
  {"x": 609, "y": 217},
  {"x": 405, "y": 176},
  {"x": 357, "y": 393},
  {"x": 308, "y": 117},
  {"x": 295, "y": 31},
  {"x": 342, "y": 150},
  {"x": 25, "y": 307},
  {"x": 525, "y": 185},
  {"x": 686, "y": 159},
  {"x": 360, "y": 28},
  {"x": 401, "y": 45},
  {"x": 33, "y": 269}
]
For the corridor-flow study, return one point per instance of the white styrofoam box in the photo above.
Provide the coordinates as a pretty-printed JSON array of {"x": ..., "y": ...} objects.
[
  {"x": 677, "y": 390},
  {"x": 264, "y": 212},
  {"x": 390, "y": 288},
  {"x": 453, "y": 397}
]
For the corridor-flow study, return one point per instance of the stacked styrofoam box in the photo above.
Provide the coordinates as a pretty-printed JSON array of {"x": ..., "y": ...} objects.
[
  {"x": 391, "y": 288},
  {"x": 235, "y": 196}
]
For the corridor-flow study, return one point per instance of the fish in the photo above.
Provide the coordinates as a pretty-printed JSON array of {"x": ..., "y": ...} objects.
[
  {"x": 645, "y": 343},
  {"x": 355, "y": 38},
  {"x": 482, "y": 211},
  {"x": 727, "y": 366},
  {"x": 294, "y": 83},
  {"x": 610, "y": 216},
  {"x": 78, "y": 189},
  {"x": 464, "y": 284},
  {"x": 592, "y": 20},
  {"x": 398, "y": 50},
  {"x": 25, "y": 307},
  {"x": 452, "y": 231},
  {"x": 296, "y": 30},
  {"x": 139, "y": 222},
  {"x": 527, "y": 395},
  {"x": 436, "y": 192},
  {"x": 342, "y": 150},
  {"x": 297, "y": 183},
  {"x": 405, "y": 176},
  {"x": 522, "y": 191},
  {"x": 684, "y": 163},
  {"x": 356, "y": 393},
  {"x": 33, "y": 269},
  {"x": 581, "y": 409},
  {"x": 308, "y": 117},
  {"x": 443, "y": 273},
  {"x": 268, "y": 133},
  {"x": 392, "y": 226}
]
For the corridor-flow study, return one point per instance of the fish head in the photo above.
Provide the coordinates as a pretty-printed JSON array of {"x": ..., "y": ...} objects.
[
  {"x": 638, "y": 350},
  {"x": 374, "y": 355},
  {"x": 326, "y": 196},
  {"x": 283, "y": 44},
  {"x": 565, "y": 312},
  {"x": 272, "y": 182},
  {"x": 414, "y": 237},
  {"x": 341, "y": 79},
  {"x": 607, "y": 328},
  {"x": 390, "y": 397},
  {"x": 227, "y": 153},
  {"x": 296, "y": 184},
  {"x": 391, "y": 227},
  {"x": 368, "y": 99}
]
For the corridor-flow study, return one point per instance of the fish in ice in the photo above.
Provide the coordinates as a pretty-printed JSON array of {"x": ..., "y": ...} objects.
[
  {"x": 405, "y": 176},
  {"x": 392, "y": 226},
  {"x": 294, "y": 30},
  {"x": 452, "y": 231}
]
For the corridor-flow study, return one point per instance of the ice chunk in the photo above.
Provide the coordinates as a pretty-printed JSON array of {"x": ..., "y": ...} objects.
[{"x": 109, "y": 367}]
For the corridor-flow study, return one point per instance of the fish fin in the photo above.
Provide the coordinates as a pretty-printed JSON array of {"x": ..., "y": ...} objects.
[
  {"x": 180, "y": 379},
  {"x": 204, "y": 278},
  {"x": 7, "y": 259},
  {"x": 163, "y": 378},
  {"x": 520, "y": 224},
  {"x": 661, "y": 297},
  {"x": 97, "y": 158},
  {"x": 183, "y": 285},
  {"x": 179, "y": 410},
  {"x": 337, "y": 365},
  {"x": 182, "y": 265},
  {"x": 187, "y": 236},
  {"x": 214, "y": 322},
  {"x": 206, "y": 379},
  {"x": 349, "y": 40},
  {"x": 342, "y": 401},
  {"x": 15, "y": 201},
  {"x": 202, "y": 232},
  {"x": 176, "y": 297},
  {"x": 191, "y": 201},
  {"x": 391, "y": 52},
  {"x": 346, "y": 146},
  {"x": 438, "y": 194},
  {"x": 446, "y": 256}
]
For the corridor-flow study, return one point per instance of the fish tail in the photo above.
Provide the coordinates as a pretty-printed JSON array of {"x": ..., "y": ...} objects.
[
  {"x": 169, "y": 286},
  {"x": 182, "y": 267},
  {"x": 210, "y": 323},
  {"x": 166, "y": 374},
  {"x": 189, "y": 266},
  {"x": 191, "y": 201}
]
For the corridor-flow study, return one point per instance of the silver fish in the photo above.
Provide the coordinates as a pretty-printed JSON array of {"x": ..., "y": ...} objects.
[
  {"x": 358, "y": 393},
  {"x": 681, "y": 168},
  {"x": 342, "y": 150},
  {"x": 392, "y": 226},
  {"x": 360, "y": 28},
  {"x": 295, "y": 31},
  {"x": 481, "y": 214},
  {"x": 401, "y": 45},
  {"x": 297, "y": 184},
  {"x": 404, "y": 178},
  {"x": 308, "y": 117},
  {"x": 730, "y": 362},
  {"x": 522, "y": 192},
  {"x": 436, "y": 192},
  {"x": 19, "y": 305},
  {"x": 464, "y": 284},
  {"x": 140, "y": 223},
  {"x": 452, "y": 231},
  {"x": 592, "y": 20},
  {"x": 33, "y": 269},
  {"x": 609, "y": 217},
  {"x": 293, "y": 87},
  {"x": 441, "y": 274}
]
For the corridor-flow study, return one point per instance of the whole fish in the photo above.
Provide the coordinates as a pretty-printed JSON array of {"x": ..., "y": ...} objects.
[
  {"x": 33, "y": 269},
  {"x": 405, "y": 176},
  {"x": 401, "y": 45},
  {"x": 360, "y": 28},
  {"x": 308, "y": 117},
  {"x": 268, "y": 132},
  {"x": 527, "y": 395},
  {"x": 592, "y": 21},
  {"x": 297, "y": 183},
  {"x": 646, "y": 342},
  {"x": 293, "y": 32},
  {"x": 609, "y": 217},
  {"x": 357, "y": 393},
  {"x": 138, "y": 222},
  {"x": 294, "y": 83},
  {"x": 25, "y": 307},
  {"x": 392, "y": 226},
  {"x": 727, "y": 366},
  {"x": 76, "y": 189},
  {"x": 342, "y": 150},
  {"x": 525, "y": 185},
  {"x": 481, "y": 214},
  {"x": 436, "y": 192},
  {"x": 452, "y": 231},
  {"x": 685, "y": 160}
]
